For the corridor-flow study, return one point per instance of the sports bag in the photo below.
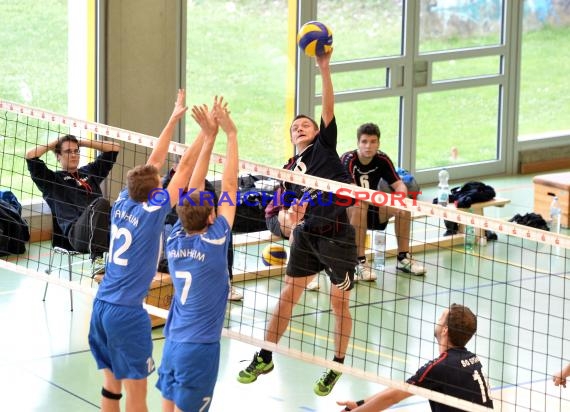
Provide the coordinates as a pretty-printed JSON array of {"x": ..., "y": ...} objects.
[
  {"x": 14, "y": 230},
  {"x": 471, "y": 192}
]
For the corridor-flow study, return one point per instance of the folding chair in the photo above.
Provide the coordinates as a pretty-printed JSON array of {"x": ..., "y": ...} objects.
[{"x": 60, "y": 245}]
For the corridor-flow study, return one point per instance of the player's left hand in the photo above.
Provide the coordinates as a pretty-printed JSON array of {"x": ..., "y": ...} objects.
[
  {"x": 349, "y": 405},
  {"x": 559, "y": 380}
]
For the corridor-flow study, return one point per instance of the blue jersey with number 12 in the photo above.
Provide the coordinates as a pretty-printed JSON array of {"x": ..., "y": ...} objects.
[{"x": 134, "y": 249}]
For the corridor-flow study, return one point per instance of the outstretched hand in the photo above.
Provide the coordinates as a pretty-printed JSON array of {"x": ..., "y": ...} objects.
[
  {"x": 324, "y": 59},
  {"x": 179, "y": 106},
  {"x": 349, "y": 405},
  {"x": 205, "y": 120},
  {"x": 559, "y": 380},
  {"x": 222, "y": 115}
]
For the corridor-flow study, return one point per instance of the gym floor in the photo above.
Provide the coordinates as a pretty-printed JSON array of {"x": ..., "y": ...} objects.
[{"x": 46, "y": 365}]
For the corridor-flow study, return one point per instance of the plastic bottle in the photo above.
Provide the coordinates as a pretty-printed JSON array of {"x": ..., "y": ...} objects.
[
  {"x": 443, "y": 193},
  {"x": 469, "y": 235},
  {"x": 555, "y": 215},
  {"x": 379, "y": 247}
]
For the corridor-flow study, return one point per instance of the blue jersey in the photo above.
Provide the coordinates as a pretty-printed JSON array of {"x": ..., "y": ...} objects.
[
  {"x": 199, "y": 272},
  {"x": 136, "y": 233}
]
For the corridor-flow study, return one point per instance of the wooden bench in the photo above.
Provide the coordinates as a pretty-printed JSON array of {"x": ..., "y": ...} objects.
[{"x": 479, "y": 209}]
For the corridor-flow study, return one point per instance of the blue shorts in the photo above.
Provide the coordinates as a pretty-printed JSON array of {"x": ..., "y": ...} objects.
[
  {"x": 187, "y": 374},
  {"x": 120, "y": 340}
]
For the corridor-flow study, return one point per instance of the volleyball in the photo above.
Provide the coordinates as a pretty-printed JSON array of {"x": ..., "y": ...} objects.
[
  {"x": 274, "y": 255},
  {"x": 315, "y": 38}
]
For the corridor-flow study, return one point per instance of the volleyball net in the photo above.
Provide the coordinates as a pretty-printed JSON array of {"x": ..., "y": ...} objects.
[{"x": 516, "y": 285}]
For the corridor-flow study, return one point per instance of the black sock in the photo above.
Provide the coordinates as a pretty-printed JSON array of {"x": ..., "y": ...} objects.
[
  {"x": 339, "y": 360},
  {"x": 266, "y": 355},
  {"x": 402, "y": 255},
  {"x": 361, "y": 259}
]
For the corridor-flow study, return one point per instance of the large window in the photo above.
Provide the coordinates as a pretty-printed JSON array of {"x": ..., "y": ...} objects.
[
  {"x": 33, "y": 56},
  {"x": 34, "y": 71},
  {"x": 545, "y": 89},
  {"x": 240, "y": 50},
  {"x": 245, "y": 51}
]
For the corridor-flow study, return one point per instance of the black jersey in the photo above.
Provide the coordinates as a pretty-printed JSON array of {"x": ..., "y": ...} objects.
[
  {"x": 368, "y": 176},
  {"x": 456, "y": 372},
  {"x": 320, "y": 159},
  {"x": 69, "y": 194}
]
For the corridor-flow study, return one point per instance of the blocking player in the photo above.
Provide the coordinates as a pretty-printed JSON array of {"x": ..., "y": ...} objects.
[
  {"x": 321, "y": 237},
  {"x": 120, "y": 329},
  {"x": 456, "y": 371},
  {"x": 191, "y": 355}
]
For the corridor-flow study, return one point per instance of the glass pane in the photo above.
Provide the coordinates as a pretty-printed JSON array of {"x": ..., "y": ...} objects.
[
  {"x": 462, "y": 68},
  {"x": 458, "y": 24},
  {"x": 361, "y": 29},
  {"x": 231, "y": 52},
  {"x": 33, "y": 63},
  {"x": 33, "y": 56},
  {"x": 356, "y": 80},
  {"x": 384, "y": 112},
  {"x": 457, "y": 127},
  {"x": 545, "y": 89}
]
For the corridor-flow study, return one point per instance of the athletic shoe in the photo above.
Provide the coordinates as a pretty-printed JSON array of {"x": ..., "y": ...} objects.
[
  {"x": 97, "y": 266},
  {"x": 364, "y": 273},
  {"x": 256, "y": 367},
  {"x": 234, "y": 295},
  {"x": 313, "y": 285},
  {"x": 408, "y": 265},
  {"x": 326, "y": 383}
]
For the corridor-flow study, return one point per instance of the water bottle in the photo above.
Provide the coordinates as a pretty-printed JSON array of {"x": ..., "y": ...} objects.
[
  {"x": 555, "y": 215},
  {"x": 443, "y": 193},
  {"x": 469, "y": 237},
  {"x": 379, "y": 247}
]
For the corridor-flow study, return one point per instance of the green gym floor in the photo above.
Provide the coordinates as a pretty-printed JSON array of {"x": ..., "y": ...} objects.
[{"x": 45, "y": 363}]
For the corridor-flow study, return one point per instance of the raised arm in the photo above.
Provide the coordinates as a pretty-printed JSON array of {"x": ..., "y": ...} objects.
[
  {"x": 230, "y": 175},
  {"x": 195, "y": 160},
  {"x": 323, "y": 62},
  {"x": 158, "y": 155},
  {"x": 209, "y": 128},
  {"x": 40, "y": 149},
  {"x": 101, "y": 145}
]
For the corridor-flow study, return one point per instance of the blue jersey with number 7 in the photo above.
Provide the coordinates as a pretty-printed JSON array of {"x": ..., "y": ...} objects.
[{"x": 199, "y": 271}]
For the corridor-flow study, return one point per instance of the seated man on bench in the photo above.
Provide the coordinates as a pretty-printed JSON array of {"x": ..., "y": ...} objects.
[
  {"x": 74, "y": 193},
  {"x": 368, "y": 165}
]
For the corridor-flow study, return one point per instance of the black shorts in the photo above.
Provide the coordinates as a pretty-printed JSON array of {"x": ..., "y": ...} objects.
[
  {"x": 373, "y": 219},
  {"x": 333, "y": 251}
]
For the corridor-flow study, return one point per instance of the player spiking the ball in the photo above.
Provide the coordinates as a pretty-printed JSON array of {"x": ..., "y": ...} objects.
[{"x": 321, "y": 237}]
